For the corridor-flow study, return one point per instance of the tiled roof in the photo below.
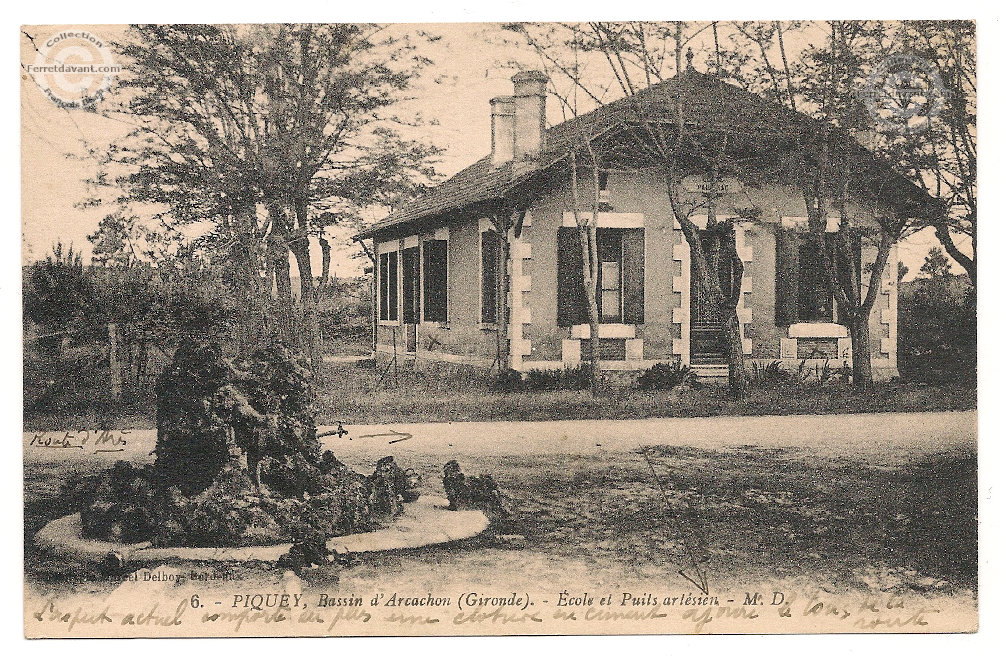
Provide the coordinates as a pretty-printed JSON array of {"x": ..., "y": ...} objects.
[{"x": 708, "y": 101}]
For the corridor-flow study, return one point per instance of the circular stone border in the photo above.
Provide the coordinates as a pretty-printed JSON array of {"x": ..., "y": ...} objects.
[{"x": 424, "y": 522}]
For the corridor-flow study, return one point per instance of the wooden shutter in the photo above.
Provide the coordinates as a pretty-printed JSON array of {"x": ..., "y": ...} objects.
[
  {"x": 491, "y": 256},
  {"x": 786, "y": 277},
  {"x": 383, "y": 286},
  {"x": 392, "y": 278},
  {"x": 571, "y": 301},
  {"x": 436, "y": 280},
  {"x": 411, "y": 285},
  {"x": 633, "y": 275}
]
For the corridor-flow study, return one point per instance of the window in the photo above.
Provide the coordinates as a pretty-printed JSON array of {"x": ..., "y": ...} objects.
[
  {"x": 621, "y": 276},
  {"x": 609, "y": 275},
  {"x": 388, "y": 276},
  {"x": 490, "y": 265},
  {"x": 436, "y": 280},
  {"x": 801, "y": 291},
  {"x": 814, "y": 302}
]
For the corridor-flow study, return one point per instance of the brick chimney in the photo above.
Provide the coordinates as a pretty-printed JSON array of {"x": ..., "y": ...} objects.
[
  {"x": 502, "y": 126},
  {"x": 529, "y": 117}
]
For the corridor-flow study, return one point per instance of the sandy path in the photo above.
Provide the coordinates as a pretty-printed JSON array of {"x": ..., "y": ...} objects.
[{"x": 888, "y": 438}]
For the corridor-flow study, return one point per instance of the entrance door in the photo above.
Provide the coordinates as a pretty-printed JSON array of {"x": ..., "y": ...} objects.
[
  {"x": 707, "y": 344},
  {"x": 411, "y": 296}
]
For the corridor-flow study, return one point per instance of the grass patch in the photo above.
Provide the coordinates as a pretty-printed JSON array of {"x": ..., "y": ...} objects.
[
  {"x": 437, "y": 392},
  {"x": 441, "y": 392}
]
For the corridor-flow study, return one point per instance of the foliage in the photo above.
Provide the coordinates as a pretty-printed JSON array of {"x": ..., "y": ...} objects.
[
  {"x": 667, "y": 375},
  {"x": 769, "y": 375},
  {"x": 942, "y": 156},
  {"x": 567, "y": 378},
  {"x": 298, "y": 120},
  {"x": 774, "y": 376},
  {"x": 182, "y": 296},
  {"x": 509, "y": 380},
  {"x": 56, "y": 290},
  {"x": 829, "y": 373},
  {"x": 937, "y": 329},
  {"x": 538, "y": 380},
  {"x": 344, "y": 308},
  {"x": 936, "y": 264}
]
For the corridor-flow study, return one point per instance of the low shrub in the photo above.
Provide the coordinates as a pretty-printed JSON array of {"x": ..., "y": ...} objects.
[
  {"x": 570, "y": 378},
  {"x": 509, "y": 380},
  {"x": 769, "y": 375},
  {"x": 828, "y": 373},
  {"x": 666, "y": 376}
]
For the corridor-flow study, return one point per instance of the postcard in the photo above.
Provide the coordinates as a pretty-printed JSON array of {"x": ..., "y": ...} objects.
[{"x": 499, "y": 329}]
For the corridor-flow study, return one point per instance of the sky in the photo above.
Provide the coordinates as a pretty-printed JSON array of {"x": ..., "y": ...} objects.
[{"x": 471, "y": 65}]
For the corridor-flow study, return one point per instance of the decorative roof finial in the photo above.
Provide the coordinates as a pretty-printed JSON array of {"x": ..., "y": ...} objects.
[{"x": 690, "y": 59}]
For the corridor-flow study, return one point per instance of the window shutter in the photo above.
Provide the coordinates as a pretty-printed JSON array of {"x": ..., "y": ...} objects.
[
  {"x": 411, "y": 285},
  {"x": 383, "y": 286},
  {"x": 633, "y": 274},
  {"x": 786, "y": 277},
  {"x": 490, "y": 255},
  {"x": 379, "y": 294},
  {"x": 392, "y": 259},
  {"x": 436, "y": 280},
  {"x": 571, "y": 297}
]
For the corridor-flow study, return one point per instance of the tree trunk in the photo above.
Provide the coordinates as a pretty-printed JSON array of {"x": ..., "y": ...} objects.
[
  {"x": 588, "y": 245},
  {"x": 324, "y": 276},
  {"x": 739, "y": 383},
  {"x": 299, "y": 246},
  {"x": 861, "y": 353},
  {"x": 588, "y": 242},
  {"x": 277, "y": 257},
  {"x": 252, "y": 290},
  {"x": 307, "y": 283},
  {"x": 594, "y": 266},
  {"x": 709, "y": 277}
]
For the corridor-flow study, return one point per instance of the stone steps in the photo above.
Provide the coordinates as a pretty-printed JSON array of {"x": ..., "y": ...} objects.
[{"x": 711, "y": 371}]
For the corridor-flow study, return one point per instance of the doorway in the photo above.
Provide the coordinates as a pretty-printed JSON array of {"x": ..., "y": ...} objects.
[{"x": 708, "y": 345}]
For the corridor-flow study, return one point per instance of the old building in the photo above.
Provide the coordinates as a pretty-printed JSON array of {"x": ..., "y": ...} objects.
[{"x": 436, "y": 276}]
